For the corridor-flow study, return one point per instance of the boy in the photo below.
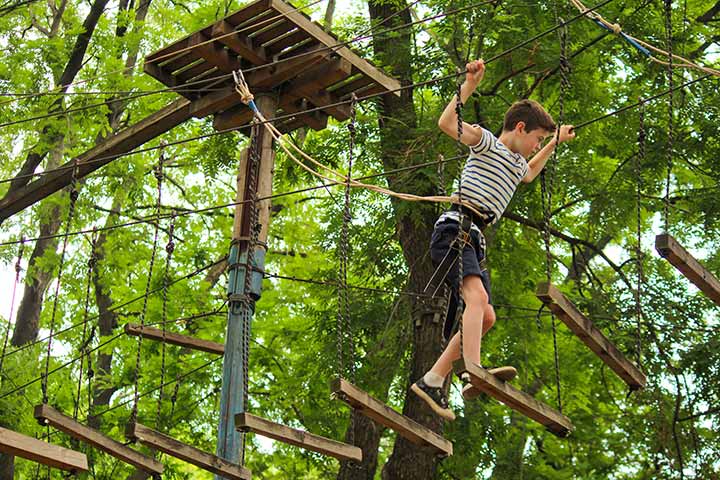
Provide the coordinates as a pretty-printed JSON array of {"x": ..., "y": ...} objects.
[{"x": 491, "y": 175}]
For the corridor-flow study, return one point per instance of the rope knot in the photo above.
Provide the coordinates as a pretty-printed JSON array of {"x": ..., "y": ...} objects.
[{"x": 616, "y": 28}]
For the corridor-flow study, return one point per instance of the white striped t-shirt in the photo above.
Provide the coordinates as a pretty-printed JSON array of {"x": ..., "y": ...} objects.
[{"x": 491, "y": 175}]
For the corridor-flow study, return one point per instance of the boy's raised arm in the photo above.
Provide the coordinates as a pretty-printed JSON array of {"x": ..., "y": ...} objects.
[{"x": 448, "y": 121}]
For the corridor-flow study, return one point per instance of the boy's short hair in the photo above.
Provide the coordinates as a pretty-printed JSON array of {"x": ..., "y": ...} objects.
[{"x": 531, "y": 113}]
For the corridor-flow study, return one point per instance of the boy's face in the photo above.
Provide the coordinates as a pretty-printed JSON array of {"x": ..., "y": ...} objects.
[{"x": 529, "y": 142}]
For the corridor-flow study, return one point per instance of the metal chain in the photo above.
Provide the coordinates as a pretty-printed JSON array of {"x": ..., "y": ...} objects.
[
  {"x": 18, "y": 269},
  {"x": 639, "y": 160},
  {"x": 441, "y": 174},
  {"x": 71, "y": 214},
  {"x": 669, "y": 149},
  {"x": 169, "y": 249},
  {"x": 159, "y": 177},
  {"x": 92, "y": 261}
]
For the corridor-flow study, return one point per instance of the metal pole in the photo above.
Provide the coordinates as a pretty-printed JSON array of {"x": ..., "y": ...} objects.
[{"x": 232, "y": 395}]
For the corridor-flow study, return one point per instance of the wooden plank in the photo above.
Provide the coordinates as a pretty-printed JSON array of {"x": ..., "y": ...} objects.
[
  {"x": 189, "y": 454},
  {"x": 160, "y": 75},
  {"x": 178, "y": 339},
  {"x": 386, "y": 416},
  {"x": 235, "y": 117},
  {"x": 554, "y": 421},
  {"x": 214, "y": 53},
  {"x": 316, "y": 31},
  {"x": 121, "y": 143},
  {"x": 591, "y": 336},
  {"x": 299, "y": 438},
  {"x": 273, "y": 30},
  {"x": 248, "y": 12},
  {"x": 311, "y": 85},
  {"x": 670, "y": 249},
  {"x": 351, "y": 86},
  {"x": 215, "y": 102},
  {"x": 97, "y": 439},
  {"x": 316, "y": 120},
  {"x": 239, "y": 43},
  {"x": 13, "y": 443},
  {"x": 288, "y": 40}
]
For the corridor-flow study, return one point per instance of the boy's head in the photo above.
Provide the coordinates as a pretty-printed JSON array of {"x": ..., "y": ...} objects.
[{"x": 527, "y": 124}]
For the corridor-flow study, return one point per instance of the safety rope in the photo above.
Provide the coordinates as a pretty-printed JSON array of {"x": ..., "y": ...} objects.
[
  {"x": 70, "y": 216},
  {"x": 159, "y": 177},
  {"x": 86, "y": 339},
  {"x": 18, "y": 269},
  {"x": 670, "y": 130},
  {"x": 169, "y": 249},
  {"x": 462, "y": 237},
  {"x": 639, "y": 160}
]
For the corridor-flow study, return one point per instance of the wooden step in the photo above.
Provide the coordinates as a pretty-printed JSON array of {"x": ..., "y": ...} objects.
[
  {"x": 13, "y": 443},
  {"x": 521, "y": 402},
  {"x": 49, "y": 416},
  {"x": 187, "y": 453},
  {"x": 693, "y": 270},
  {"x": 591, "y": 336},
  {"x": 193, "y": 343},
  {"x": 386, "y": 416},
  {"x": 299, "y": 438}
]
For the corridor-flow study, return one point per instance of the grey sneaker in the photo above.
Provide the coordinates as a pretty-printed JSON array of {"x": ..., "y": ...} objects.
[
  {"x": 504, "y": 374},
  {"x": 434, "y": 397}
]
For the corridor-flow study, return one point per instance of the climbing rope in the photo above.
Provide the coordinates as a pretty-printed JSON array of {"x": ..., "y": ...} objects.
[
  {"x": 639, "y": 160},
  {"x": 169, "y": 249},
  {"x": 670, "y": 130},
  {"x": 18, "y": 269},
  {"x": 462, "y": 238},
  {"x": 86, "y": 339}
]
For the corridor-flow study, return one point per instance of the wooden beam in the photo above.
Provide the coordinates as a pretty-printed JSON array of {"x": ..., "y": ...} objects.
[
  {"x": 239, "y": 43},
  {"x": 591, "y": 336},
  {"x": 670, "y": 249},
  {"x": 121, "y": 143},
  {"x": 214, "y": 53},
  {"x": 316, "y": 31},
  {"x": 311, "y": 85},
  {"x": 316, "y": 120},
  {"x": 287, "y": 40},
  {"x": 232, "y": 118},
  {"x": 50, "y": 416},
  {"x": 217, "y": 101},
  {"x": 481, "y": 379},
  {"x": 272, "y": 31},
  {"x": 13, "y": 443},
  {"x": 299, "y": 438},
  {"x": 174, "y": 338},
  {"x": 189, "y": 454},
  {"x": 386, "y": 416}
]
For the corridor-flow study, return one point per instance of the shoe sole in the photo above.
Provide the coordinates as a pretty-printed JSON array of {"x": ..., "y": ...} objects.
[
  {"x": 504, "y": 374},
  {"x": 445, "y": 413}
]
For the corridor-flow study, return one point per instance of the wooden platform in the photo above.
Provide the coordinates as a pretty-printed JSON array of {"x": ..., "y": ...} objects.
[
  {"x": 187, "y": 453},
  {"x": 590, "y": 336},
  {"x": 386, "y": 416},
  {"x": 30, "y": 448},
  {"x": 342, "y": 451},
  {"x": 693, "y": 270},
  {"x": 186, "y": 341},
  {"x": 554, "y": 421},
  {"x": 48, "y": 415},
  {"x": 282, "y": 50}
]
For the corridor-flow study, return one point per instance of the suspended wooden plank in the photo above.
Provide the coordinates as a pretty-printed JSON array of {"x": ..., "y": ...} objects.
[
  {"x": 521, "y": 402},
  {"x": 386, "y": 416},
  {"x": 590, "y": 336},
  {"x": 212, "y": 463},
  {"x": 670, "y": 249},
  {"x": 299, "y": 438},
  {"x": 92, "y": 437},
  {"x": 29, "y": 448},
  {"x": 186, "y": 341}
]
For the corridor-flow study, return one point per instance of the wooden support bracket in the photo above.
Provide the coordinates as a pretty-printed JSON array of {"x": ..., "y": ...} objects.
[
  {"x": 189, "y": 454},
  {"x": 590, "y": 336},
  {"x": 299, "y": 438},
  {"x": 693, "y": 270},
  {"x": 521, "y": 402},
  {"x": 13, "y": 443},
  {"x": 52, "y": 417},
  {"x": 386, "y": 416},
  {"x": 186, "y": 341}
]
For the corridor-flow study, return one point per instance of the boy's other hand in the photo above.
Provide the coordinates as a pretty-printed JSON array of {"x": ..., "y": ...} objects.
[
  {"x": 475, "y": 71},
  {"x": 567, "y": 132}
]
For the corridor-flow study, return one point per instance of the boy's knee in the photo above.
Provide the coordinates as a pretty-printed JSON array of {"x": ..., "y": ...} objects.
[
  {"x": 474, "y": 292},
  {"x": 489, "y": 317}
]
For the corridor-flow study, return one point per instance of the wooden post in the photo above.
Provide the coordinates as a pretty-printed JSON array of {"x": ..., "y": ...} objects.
[{"x": 231, "y": 402}]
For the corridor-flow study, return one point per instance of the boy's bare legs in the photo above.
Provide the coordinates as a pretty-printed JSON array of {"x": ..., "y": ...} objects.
[{"x": 479, "y": 315}]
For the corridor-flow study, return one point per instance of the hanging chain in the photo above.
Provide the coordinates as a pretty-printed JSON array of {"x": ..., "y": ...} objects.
[
  {"x": 85, "y": 342},
  {"x": 670, "y": 133},
  {"x": 639, "y": 160},
  {"x": 169, "y": 249},
  {"x": 159, "y": 177},
  {"x": 441, "y": 174},
  {"x": 71, "y": 214},
  {"x": 18, "y": 269}
]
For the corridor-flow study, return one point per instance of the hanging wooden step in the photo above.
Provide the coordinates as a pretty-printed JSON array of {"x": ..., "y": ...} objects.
[
  {"x": 591, "y": 336},
  {"x": 29, "y": 448},
  {"x": 186, "y": 341},
  {"x": 342, "y": 451},
  {"x": 386, "y": 416},
  {"x": 693, "y": 270},
  {"x": 482, "y": 380},
  {"x": 187, "y": 453},
  {"x": 49, "y": 416}
]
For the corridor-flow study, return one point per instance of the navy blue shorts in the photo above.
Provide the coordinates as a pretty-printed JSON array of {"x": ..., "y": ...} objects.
[{"x": 442, "y": 246}]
